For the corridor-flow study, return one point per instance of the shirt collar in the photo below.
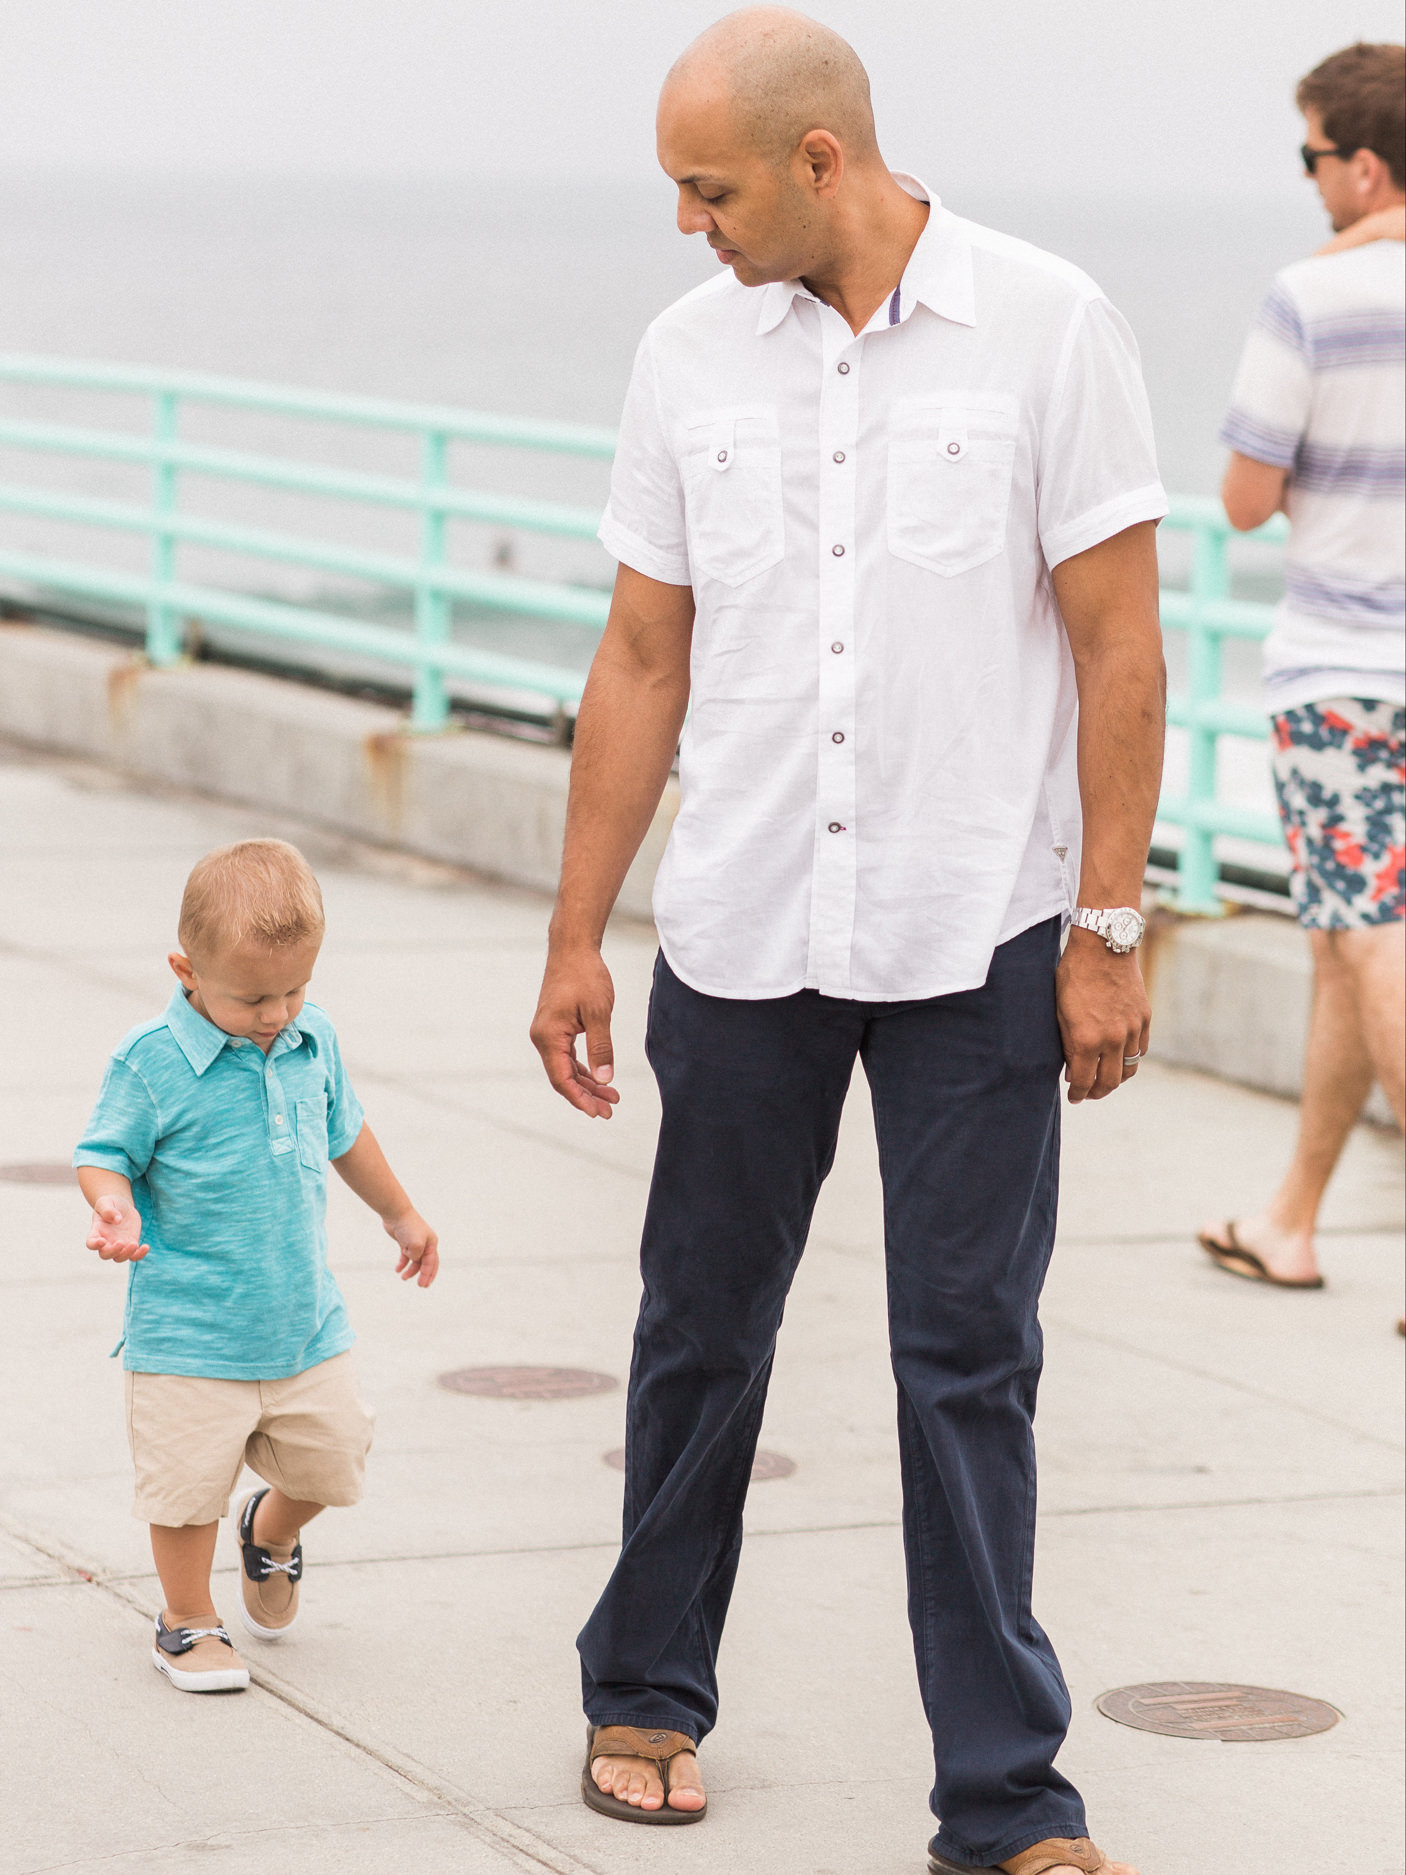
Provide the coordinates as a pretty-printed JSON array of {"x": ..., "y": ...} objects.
[
  {"x": 938, "y": 274},
  {"x": 200, "y": 1041}
]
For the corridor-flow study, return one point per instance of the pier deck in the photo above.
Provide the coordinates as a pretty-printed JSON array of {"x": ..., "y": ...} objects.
[{"x": 1220, "y": 1486}]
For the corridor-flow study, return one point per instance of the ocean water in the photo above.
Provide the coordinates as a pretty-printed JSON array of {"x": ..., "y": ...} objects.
[{"x": 521, "y": 298}]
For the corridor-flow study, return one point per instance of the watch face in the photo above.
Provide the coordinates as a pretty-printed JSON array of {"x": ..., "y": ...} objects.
[{"x": 1125, "y": 927}]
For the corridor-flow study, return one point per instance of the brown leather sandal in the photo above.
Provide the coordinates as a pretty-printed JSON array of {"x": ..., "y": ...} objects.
[
  {"x": 1236, "y": 1260},
  {"x": 1055, "y": 1852},
  {"x": 629, "y": 1741}
]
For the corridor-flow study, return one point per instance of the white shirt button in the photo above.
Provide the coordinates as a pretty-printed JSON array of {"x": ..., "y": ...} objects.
[
  {"x": 837, "y": 647},
  {"x": 839, "y": 455},
  {"x": 835, "y": 827},
  {"x": 837, "y": 550},
  {"x": 722, "y": 455},
  {"x": 842, "y": 368},
  {"x": 838, "y": 736}
]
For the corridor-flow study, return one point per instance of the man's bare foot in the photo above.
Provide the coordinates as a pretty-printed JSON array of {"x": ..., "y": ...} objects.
[
  {"x": 1287, "y": 1254},
  {"x": 637, "y": 1780}
]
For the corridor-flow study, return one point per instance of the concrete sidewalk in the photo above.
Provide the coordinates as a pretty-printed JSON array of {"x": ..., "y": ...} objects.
[{"x": 1220, "y": 1464}]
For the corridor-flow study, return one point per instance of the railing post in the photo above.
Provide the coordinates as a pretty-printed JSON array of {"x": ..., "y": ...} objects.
[
  {"x": 430, "y": 708},
  {"x": 1210, "y": 582},
  {"x": 164, "y": 636}
]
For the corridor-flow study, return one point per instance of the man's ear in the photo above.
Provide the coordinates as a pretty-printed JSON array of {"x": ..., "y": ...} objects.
[
  {"x": 824, "y": 161},
  {"x": 184, "y": 969}
]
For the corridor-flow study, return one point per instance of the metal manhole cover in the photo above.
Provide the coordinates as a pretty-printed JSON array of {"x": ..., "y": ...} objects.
[
  {"x": 56, "y": 1174},
  {"x": 764, "y": 1466},
  {"x": 1210, "y": 1709},
  {"x": 528, "y": 1383}
]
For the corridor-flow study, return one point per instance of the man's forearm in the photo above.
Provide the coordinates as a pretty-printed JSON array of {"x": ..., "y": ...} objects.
[
  {"x": 1122, "y": 714},
  {"x": 626, "y": 735}
]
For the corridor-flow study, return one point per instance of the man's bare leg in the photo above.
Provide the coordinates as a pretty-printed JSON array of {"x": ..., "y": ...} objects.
[
  {"x": 637, "y": 1780},
  {"x": 1377, "y": 959},
  {"x": 1337, "y": 1078}
]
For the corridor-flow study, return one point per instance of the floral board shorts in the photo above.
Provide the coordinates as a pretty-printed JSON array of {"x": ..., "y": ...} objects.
[{"x": 1340, "y": 775}]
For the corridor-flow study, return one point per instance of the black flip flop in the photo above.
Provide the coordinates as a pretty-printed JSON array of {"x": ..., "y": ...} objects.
[
  {"x": 1236, "y": 1260},
  {"x": 629, "y": 1741}
]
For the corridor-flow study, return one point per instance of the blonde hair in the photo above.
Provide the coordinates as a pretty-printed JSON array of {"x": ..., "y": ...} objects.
[{"x": 256, "y": 892}]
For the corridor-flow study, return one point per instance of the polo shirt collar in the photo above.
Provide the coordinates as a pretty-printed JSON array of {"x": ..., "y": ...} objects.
[
  {"x": 201, "y": 1042},
  {"x": 938, "y": 274}
]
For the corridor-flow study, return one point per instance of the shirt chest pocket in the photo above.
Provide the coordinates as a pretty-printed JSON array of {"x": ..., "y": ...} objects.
[
  {"x": 312, "y": 1132},
  {"x": 732, "y": 494},
  {"x": 949, "y": 481}
]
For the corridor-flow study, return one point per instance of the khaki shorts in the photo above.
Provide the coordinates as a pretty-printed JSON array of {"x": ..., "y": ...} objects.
[{"x": 192, "y": 1435}]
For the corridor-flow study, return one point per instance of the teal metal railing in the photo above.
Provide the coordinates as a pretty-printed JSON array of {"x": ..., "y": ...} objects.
[
  {"x": 1205, "y": 610},
  {"x": 1207, "y": 613},
  {"x": 428, "y": 650}
]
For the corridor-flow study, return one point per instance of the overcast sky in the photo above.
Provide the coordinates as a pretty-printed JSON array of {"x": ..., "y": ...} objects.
[{"x": 1123, "y": 95}]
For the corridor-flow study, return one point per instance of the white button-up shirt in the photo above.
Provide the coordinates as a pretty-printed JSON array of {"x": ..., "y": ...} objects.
[{"x": 878, "y": 779}]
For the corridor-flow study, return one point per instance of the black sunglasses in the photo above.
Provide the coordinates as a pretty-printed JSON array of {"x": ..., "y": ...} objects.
[{"x": 1311, "y": 156}]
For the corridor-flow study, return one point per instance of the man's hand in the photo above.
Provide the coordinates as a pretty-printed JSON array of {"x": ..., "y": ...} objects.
[
  {"x": 419, "y": 1248},
  {"x": 1104, "y": 1015},
  {"x": 577, "y": 999},
  {"x": 116, "y": 1231},
  {"x": 1383, "y": 224}
]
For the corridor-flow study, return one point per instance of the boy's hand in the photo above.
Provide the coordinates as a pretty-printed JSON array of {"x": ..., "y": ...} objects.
[
  {"x": 419, "y": 1248},
  {"x": 116, "y": 1231}
]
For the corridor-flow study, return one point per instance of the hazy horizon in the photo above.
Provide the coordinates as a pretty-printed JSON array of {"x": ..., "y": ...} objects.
[{"x": 1100, "y": 94}]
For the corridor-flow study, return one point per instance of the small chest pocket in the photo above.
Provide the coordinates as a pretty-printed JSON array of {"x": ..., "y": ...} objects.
[
  {"x": 732, "y": 494},
  {"x": 312, "y": 1133},
  {"x": 949, "y": 481}
]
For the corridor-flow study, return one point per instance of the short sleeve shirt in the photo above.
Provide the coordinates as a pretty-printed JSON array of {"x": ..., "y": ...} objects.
[
  {"x": 877, "y": 775},
  {"x": 227, "y": 1152},
  {"x": 1321, "y": 392}
]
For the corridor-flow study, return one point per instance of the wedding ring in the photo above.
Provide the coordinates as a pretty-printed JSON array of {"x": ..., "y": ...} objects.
[{"x": 1128, "y": 1060}]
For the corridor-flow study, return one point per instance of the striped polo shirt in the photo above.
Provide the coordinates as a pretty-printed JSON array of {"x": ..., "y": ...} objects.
[{"x": 1320, "y": 393}]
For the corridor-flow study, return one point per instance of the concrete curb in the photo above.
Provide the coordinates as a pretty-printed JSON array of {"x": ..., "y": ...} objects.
[
  {"x": 482, "y": 801},
  {"x": 1231, "y": 996}
]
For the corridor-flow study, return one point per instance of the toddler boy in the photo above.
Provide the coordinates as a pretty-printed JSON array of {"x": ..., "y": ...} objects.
[{"x": 205, "y": 1162}]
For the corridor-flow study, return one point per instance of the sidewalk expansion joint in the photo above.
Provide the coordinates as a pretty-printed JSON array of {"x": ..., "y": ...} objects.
[{"x": 521, "y": 1847}]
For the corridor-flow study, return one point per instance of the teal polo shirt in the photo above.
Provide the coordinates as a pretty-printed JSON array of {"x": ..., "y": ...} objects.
[{"x": 227, "y": 1151}]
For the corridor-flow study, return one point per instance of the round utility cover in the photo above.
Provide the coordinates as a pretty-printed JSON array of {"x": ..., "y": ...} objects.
[
  {"x": 1212, "y": 1709},
  {"x": 527, "y": 1383}
]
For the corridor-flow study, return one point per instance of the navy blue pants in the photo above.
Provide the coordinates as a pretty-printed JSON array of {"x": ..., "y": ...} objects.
[{"x": 965, "y": 1091}]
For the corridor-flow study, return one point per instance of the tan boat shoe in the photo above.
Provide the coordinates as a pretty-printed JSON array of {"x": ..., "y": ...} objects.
[
  {"x": 198, "y": 1660},
  {"x": 269, "y": 1574},
  {"x": 1055, "y": 1852}
]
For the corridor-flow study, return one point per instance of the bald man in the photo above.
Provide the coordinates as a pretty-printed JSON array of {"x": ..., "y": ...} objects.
[{"x": 884, "y": 507}]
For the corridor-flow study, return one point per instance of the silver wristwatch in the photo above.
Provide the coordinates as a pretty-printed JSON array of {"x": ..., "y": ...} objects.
[{"x": 1121, "y": 928}]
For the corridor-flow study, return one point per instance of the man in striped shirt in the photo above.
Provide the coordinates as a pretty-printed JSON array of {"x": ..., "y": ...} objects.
[{"x": 1316, "y": 428}]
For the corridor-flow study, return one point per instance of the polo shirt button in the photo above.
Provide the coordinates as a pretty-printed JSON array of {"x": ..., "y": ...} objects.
[
  {"x": 842, "y": 368},
  {"x": 837, "y": 550},
  {"x": 837, "y": 647},
  {"x": 838, "y": 736},
  {"x": 835, "y": 827},
  {"x": 839, "y": 456}
]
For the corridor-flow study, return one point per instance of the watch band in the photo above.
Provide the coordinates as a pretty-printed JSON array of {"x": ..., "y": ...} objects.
[{"x": 1120, "y": 926}]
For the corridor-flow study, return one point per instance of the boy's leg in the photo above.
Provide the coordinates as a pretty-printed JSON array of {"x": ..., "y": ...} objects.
[
  {"x": 183, "y": 1556},
  {"x": 310, "y": 1444},
  {"x": 187, "y": 1434},
  {"x": 279, "y": 1519}
]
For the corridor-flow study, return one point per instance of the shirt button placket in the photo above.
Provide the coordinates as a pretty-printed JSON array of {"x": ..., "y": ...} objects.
[{"x": 834, "y": 876}]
